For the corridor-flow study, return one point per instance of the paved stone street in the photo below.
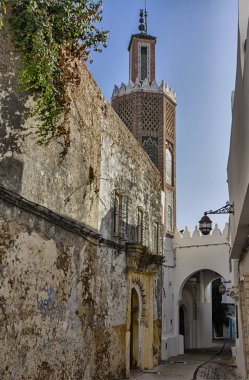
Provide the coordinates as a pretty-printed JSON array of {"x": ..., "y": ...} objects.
[{"x": 214, "y": 363}]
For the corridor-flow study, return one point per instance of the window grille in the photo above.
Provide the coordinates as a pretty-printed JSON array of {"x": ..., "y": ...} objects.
[
  {"x": 146, "y": 229},
  {"x": 123, "y": 217},
  {"x": 150, "y": 145},
  {"x": 125, "y": 111},
  {"x": 116, "y": 214},
  {"x": 120, "y": 215},
  {"x": 170, "y": 210},
  {"x": 151, "y": 111},
  {"x": 140, "y": 226},
  {"x": 169, "y": 115},
  {"x": 144, "y": 63},
  {"x": 155, "y": 238},
  {"x": 169, "y": 164}
]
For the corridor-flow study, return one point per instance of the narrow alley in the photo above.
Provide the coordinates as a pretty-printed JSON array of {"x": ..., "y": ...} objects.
[{"x": 214, "y": 363}]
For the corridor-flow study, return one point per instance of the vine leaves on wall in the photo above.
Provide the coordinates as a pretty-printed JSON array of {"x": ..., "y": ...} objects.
[{"x": 51, "y": 35}]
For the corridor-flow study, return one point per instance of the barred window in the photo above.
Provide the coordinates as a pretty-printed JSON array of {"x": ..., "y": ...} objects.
[
  {"x": 120, "y": 215},
  {"x": 140, "y": 225},
  {"x": 116, "y": 214},
  {"x": 169, "y": 116},
  {"x": 151, "y": 111},
  {"x": 125, "y": 111},
  {"x": 144, "y": 63},
  {"x": 169, "y": 219},
  {"x": 146, "y": 229},
  {"x": 170, "y": 211},
  {"x": 169, "y": 165},
  {"x": 150, "y": 145},
  {"x": 156, "y": 238}
]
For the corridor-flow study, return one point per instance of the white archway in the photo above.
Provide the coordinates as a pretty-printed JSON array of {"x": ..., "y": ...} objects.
[
  {"x": 202, "y": 259},
  {"x": 189, "y": 255}
]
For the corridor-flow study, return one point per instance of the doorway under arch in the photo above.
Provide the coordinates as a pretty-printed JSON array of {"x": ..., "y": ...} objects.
[
  {"x": 195, "y": 309},
  {"x": 134, "y": 330},
  {"x": 181, "y": 320}
]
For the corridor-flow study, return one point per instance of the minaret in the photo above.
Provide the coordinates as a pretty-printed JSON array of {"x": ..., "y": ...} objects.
[{"x": 148, "y": 110}]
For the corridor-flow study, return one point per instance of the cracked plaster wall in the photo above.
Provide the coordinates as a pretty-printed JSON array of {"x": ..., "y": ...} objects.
[{"x": 59, "y": 316}]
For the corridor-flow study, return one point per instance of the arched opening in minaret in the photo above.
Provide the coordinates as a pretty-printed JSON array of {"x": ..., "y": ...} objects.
[{"x": 134, "y": 330}]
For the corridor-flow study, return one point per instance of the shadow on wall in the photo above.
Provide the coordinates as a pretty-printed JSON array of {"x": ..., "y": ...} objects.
[
  {"x": 13, "y": 109},
  {"x": 11, "y": 172},
  {"x": 126, "y": 232}
]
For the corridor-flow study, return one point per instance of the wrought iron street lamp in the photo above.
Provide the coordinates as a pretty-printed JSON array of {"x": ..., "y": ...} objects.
[{"x": 205, "y": 224}]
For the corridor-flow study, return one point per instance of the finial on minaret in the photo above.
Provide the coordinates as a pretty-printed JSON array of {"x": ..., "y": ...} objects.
[
  {"x": 141, "y": 21},
  {"x": 143, "y": 16}
]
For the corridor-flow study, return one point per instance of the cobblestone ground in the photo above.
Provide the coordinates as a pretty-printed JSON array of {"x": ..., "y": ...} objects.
[
  {"x": 219, "y": 368},
  {"x": 214, "y": 363}
]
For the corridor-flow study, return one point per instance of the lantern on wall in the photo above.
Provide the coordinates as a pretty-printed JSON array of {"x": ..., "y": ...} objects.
[{"x": 205, "y": 225}]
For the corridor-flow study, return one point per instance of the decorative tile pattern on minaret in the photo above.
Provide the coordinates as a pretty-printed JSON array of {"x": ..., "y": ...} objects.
[{"x": 148, "y": 110}]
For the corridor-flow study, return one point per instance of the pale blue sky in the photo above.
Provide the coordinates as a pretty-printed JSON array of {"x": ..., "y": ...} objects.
[{"x": 196, "y": 55}]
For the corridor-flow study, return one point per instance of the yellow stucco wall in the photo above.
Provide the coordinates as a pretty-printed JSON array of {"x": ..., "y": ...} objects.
[{"x": 149, "y": 330}]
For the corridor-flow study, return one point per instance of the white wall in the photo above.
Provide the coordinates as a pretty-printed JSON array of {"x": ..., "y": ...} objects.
[
  {"x": 197, "y": 252},
  {"x": 170, "y": 340},
  {"x": 237, "y": 170},
  {"x": 186, "y": 255}
]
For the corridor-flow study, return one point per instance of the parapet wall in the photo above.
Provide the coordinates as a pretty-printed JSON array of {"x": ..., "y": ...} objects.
[
  {"x": 145, "y": 86},
  {"x": 186, "y": 238},
  {"x": 195, "y": 252}
]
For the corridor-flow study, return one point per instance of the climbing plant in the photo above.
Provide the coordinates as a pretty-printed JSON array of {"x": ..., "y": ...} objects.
[{"x": 51, "y": 35}]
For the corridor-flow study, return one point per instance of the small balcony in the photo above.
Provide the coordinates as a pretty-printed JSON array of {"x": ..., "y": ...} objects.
[{"x": 140, "y": 259}]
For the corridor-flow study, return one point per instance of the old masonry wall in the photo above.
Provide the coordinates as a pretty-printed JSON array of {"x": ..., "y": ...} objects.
[{"x": 64, "y": 286}]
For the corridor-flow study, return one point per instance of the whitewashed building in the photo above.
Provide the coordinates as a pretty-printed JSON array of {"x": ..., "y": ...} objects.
[
  {"x": 191, "y": 264},
  {"x": 238, "y": 183}
]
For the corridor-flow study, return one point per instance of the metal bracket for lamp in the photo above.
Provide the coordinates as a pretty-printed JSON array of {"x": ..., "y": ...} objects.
[
  {"x": 222, "y": 289},
  {"x": 227, "y": 209},
  {"x": 205, "y": 224},
  {"x": 231, "y": 292}
]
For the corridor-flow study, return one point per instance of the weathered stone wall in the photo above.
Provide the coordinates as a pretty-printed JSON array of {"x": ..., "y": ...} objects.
[
  {"x": 36, "y": 171},
  {"x": 97, "y": 137},
  {"x": 60, "y": 317},
  {"x": 126, "y": 168},
  {"x": 64, "y": 299}
]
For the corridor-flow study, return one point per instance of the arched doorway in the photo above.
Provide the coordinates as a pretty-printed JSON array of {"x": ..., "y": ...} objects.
[
  {"x": 196, "y": 309},
  {"x": 134, "y": 330}
]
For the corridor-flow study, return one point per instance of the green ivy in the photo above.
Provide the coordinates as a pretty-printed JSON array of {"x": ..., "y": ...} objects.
[
  {"x": 50, "y": 35},
  {"x": 2, "y": 11}
]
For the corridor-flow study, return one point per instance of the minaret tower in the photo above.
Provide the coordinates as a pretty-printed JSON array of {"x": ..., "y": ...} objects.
[{"x": 148, "y": 110}]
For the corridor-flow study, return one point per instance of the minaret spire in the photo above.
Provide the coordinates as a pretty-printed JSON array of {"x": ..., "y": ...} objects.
[
  {"x": 143, "y": 16},
  {"x": 141, "y": 21}
]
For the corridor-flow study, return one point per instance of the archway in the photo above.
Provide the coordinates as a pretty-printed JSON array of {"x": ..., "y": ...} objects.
[
  {"x": 134, "y": 330},
  {"x": 195, "y": 311}
]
